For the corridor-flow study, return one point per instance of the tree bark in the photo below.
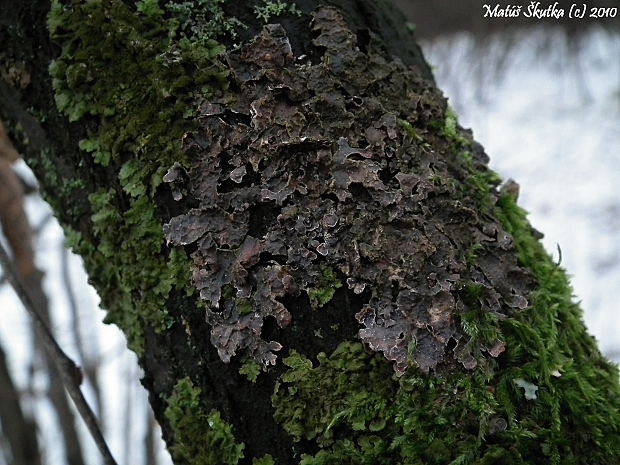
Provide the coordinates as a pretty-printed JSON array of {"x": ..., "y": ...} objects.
[{"x": 292, "y": 172}]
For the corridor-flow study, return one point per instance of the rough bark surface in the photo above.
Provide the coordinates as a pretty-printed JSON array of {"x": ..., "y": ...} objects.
[{"x": 370, "y": 295}]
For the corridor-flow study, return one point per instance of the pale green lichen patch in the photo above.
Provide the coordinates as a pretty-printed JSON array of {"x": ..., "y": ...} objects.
[
  {"x": 202, "y": 20},
  {"x": 529, "y": 389},
  {"x": 269, "y": 9},
  {"x": 137, "y": 76},
  {"x": 199, "y": 439}
]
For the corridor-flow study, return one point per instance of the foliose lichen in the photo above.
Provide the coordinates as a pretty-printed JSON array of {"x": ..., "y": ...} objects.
[{"x": 340, "y": 165}]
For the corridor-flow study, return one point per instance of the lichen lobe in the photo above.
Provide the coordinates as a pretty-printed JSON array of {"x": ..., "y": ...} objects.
[{"x": 319, "y": 146}]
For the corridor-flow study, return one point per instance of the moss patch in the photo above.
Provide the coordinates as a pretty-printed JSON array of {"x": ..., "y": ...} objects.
[
  {"x": 552, "y": 349},
  {"x": 357, "y": 413},
  {"x": 327, "y": 284},
  {"x": 250, "y": 369},
  {"x": 200, "y": 439},
  {"x": 135, "y": 76},
  {"x": 352, "y": 385},
  {"x": 266, "y": 460}
]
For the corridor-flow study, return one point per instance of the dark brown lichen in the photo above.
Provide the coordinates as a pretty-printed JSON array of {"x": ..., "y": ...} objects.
[{"x": 320, "y": 147}]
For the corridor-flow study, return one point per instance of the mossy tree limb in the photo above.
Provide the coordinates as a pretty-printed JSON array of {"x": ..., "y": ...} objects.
[{"x": 371, "y": 296}]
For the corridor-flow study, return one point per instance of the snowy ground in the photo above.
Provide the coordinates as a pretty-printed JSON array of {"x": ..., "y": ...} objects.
[{"x": 552, "y": 123}]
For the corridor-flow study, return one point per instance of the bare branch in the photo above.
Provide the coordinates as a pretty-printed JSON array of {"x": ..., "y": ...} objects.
[
  {"x": 90, "y": 369},
  {"x": 70, "y": 373}
]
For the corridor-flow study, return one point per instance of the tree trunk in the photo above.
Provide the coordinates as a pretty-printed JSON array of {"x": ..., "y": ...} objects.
[{"x": 371, "y": 296}]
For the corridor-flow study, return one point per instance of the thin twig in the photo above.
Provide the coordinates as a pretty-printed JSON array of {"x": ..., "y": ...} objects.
[
  {"x": 69, "y": 371},
  {"x": 89, "y": 370}
]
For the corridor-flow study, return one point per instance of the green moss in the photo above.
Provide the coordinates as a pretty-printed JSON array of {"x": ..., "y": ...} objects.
[
  {"x": 410, "y": 130},
  {"x": 578, "y": 386},
  {"x": 138, "y": 76},
  {"x": 450, "y": 129},
  {"x": 200, "y": 439},
  {"x": 266, "y": 460},
  {"x": 473, "y": 253},
  {"x": 327, "y": 284},
  {"x": 480, "y": 326},
  {"x": 250, "y": 369},
  {"x": 149, "y": 8},
  {"x": 450, "y": 124},
  {"x": 353, "y": 406},
  {"x": 480, "y": 181},
  {"x": 413, "y": 133},
  {"x": 348, "y": 388}
]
